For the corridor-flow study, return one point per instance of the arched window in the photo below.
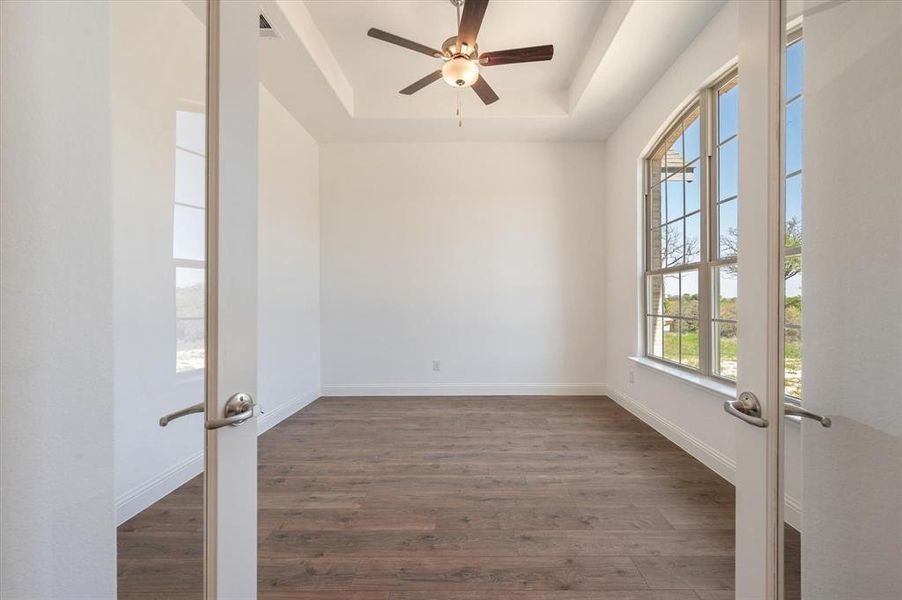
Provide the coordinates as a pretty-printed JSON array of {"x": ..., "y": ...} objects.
[{"x": 691, "y": 199}]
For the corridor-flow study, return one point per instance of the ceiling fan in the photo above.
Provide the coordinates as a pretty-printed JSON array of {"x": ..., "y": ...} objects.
[{"x": 463, "y": 61}]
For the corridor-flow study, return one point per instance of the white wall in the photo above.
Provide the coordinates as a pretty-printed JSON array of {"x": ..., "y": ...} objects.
[
  {"x": 288, "y": 263},
  {"x": 688, "y": 414},
  {"x": 158, "y": 68},
  {"x": 485, "y": 257},
  {"x": 57, "y": 537}
]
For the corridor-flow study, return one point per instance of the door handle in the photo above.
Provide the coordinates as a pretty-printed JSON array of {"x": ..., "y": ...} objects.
[
  {"x": 238, "y": 409},
  {"x": 747, "y": 408},
  {"x": 190, "y": 410},
  {"x": 795, "y": 410}
]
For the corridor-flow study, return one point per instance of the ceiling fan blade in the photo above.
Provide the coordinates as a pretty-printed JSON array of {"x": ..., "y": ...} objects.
[
  {"x": 471, "y": 21},
  {"x": 421, "y": 83},
  {"x": 516, "y": 55},
  {"x": 484, "y": 91},
  {"x": 404, "y": 43}
]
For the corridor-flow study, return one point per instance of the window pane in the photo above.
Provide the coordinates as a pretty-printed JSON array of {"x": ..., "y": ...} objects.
[
  {"x": 794, "y": 136},
  {"x": 189, "y": 292},
  {"x": 727, "y": 229},
  {"x": 794, "y": 65},
  {"x": 188, "y": 233},
  {"x": 190, "y": 178},
  {"x": 672, "y": 339},
  {"x": 792, "y": 302},
  {"x": 794, "y": 211},
  {"x": 655, "y": 333},
  {"x": 673, "y": 191},
  {"x": 656, "y": 209},
  {"x": 727, "y": 111},
  {"x": 725, "y": 349},
  {"x": 792, "y": 362},
  {"x": 656, "y": 167},
  {"x": 689, "y": 294},
  {"x": 656, "y": 248},
  {"x": 728, "y": 170},
  {"x": 725, "y": 295},
  {"x": 672, "y": 294},
  {"x": 693, "y": 238},
  {"x": 654, "y": 303},
  {"x": 693, "y": 188},
  {"x": 674, "y": 145},
  {"x": 673, "y": 244},
  {"x": 691, "y": 138},
  {"x": 689, "y": 343},
  {"x": 189, "y": 345}
]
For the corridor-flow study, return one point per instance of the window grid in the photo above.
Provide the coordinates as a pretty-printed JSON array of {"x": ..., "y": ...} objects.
[
  {"x": 679, "y": 320},
  {"x": 724, "y": 242}
]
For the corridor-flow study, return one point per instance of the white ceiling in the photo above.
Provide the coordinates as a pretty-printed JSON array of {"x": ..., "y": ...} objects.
[
  {"x": 377, "y": 70},
  {"x": 343, "y": 85}
]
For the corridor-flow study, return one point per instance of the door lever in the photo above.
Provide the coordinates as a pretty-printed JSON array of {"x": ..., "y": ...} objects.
[
  {"x": 238, "y": 409},
  {"x": 794, "y": 410},
  {"x": 746, "y": 408},
  {"x": 190, "y": 410}
]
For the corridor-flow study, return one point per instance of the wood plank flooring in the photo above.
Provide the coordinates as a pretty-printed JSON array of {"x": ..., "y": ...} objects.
[{"x": 502, "y": 498}]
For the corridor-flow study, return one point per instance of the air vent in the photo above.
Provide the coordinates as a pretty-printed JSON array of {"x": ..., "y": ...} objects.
[{"x": 266, "y": 29}]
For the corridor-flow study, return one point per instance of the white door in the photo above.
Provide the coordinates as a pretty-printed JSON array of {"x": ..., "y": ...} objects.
[
  {"x": 819, "y": 438},
  {"x": 758, "y": 384},
  {"x": 230, "y": 483},
  {"x": 843, "y": 156}
]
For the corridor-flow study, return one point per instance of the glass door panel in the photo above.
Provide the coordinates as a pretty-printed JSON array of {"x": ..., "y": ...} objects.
[
  {"x": 842, "y": 218},
  {"x": 159, "y": 193}
]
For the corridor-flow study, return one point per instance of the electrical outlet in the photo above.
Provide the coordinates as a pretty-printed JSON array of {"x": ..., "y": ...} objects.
[
  {"x": 632, "y": 377},
  {"x": 436, "y": 365}
]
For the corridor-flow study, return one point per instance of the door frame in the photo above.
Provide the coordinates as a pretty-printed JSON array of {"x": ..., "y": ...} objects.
[{"x": 759, "y": 509}]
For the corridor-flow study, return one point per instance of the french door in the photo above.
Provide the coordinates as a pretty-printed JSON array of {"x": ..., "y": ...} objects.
[
  {"x": 230, "y": 473},
  {"x": 184, "y": 78},
  {"x": 819, "y": 428}
]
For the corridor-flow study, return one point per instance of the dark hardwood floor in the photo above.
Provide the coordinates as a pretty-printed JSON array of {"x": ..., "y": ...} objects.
[{"x": 498, "y": 498}]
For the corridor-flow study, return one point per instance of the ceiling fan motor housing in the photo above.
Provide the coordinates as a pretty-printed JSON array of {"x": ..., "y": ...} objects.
[{"x": 460, "y": 68}]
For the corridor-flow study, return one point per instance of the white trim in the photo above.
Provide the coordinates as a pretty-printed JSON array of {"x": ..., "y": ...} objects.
[
  {"x": 142, "y": 496},
  {"x": 792, "y": 512},
  {"x": 708, "y": 384},
  {"x": 713, "y": 459},
  {"x": 716, "y": 461},
  {"x": 269, "y": 419},
  {"x": 464, "y": 389}
]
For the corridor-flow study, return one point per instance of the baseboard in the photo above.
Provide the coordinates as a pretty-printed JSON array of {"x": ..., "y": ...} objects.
[
  {"x": 271, "y": 418},
  {"x": 792, "y": 513},
  {"x": 140, "y": 497},
  {"x": 464, "y": 389},
  {"x": 711, "y": 458}
]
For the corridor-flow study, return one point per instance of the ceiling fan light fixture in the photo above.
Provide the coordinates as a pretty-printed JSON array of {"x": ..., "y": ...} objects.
[{"x": 460, "y": 72}]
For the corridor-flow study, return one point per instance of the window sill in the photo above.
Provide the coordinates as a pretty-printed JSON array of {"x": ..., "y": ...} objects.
[{"x": 718, "y": 388}]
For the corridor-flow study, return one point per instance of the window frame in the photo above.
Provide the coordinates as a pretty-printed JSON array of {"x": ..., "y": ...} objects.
[{"x": 705, "y": 102}]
